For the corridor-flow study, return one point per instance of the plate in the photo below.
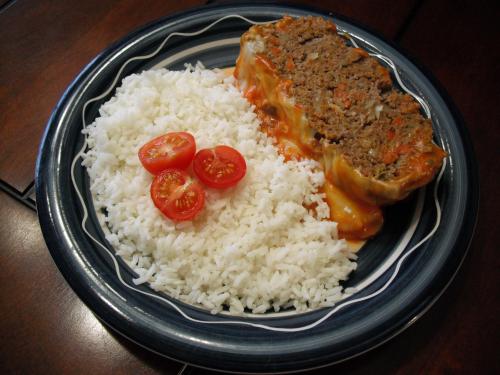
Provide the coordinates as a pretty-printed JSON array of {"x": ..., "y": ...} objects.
[{"x": 400, "y": 273}]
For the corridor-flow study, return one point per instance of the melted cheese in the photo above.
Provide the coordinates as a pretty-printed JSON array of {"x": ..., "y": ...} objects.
[{"x": 286, "y": 122}]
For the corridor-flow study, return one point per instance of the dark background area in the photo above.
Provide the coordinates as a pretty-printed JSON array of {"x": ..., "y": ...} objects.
[{"x": 45, "y": 328}]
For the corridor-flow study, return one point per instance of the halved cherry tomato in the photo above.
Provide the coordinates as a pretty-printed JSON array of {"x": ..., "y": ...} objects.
[
  {"x": 172, "y": 150},
  {"x": 177, "y": 195},
  {"x": 219, "y": 167}
]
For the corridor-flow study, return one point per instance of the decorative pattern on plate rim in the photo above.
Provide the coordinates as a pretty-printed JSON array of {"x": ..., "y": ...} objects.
[{"x": 328, "y": 311}]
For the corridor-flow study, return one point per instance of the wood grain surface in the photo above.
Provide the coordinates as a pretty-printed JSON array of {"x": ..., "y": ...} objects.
[
  {"x": 43, "y": 47},
  {"x": 45, "y": 328}
]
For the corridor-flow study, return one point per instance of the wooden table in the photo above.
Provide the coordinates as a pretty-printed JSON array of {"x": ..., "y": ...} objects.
[{"x": 45, "y": 328}]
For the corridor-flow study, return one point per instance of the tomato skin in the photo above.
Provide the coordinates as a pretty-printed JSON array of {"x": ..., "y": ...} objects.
[
  {"x": 219, "y": 167},
  {"x": 171, "y": 150},
  {"x": 177, "y": 195}
]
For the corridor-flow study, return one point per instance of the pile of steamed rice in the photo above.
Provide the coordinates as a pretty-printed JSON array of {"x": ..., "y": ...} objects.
[{"x": 254, "y": 247}]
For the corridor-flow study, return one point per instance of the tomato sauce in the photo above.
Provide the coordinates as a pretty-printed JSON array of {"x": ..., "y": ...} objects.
[{"x": 279, "y": 119}]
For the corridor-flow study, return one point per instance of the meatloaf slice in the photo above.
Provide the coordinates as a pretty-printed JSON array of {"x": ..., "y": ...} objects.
[{"x": 340, "y": 104}]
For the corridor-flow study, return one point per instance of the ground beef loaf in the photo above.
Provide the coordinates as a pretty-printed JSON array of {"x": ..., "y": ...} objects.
[
  {"x": 348, "y": 96},
  {"x": 321, "y": 98}
]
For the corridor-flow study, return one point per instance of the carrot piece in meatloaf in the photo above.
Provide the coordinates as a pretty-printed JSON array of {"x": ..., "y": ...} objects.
[{"x": 339, "y": 106}]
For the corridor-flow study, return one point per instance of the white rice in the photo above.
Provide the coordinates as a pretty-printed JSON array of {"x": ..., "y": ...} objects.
[{"x": 253, "y": 247}]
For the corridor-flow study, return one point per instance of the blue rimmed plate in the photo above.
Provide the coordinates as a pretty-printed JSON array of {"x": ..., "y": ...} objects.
[{"x": 400, "y": 273}]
